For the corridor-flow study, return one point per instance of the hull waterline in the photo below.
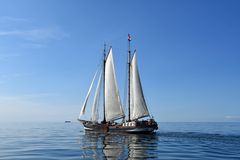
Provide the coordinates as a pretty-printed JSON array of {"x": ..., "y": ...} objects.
[{"x": 128, "y": 127}]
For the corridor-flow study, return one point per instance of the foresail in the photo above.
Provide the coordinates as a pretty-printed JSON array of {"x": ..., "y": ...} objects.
[
  {"x": 113, "y": 107},
  {"x": 86, "y": 99},
  {"x": 94, "y": 116},
  {"x": 138, "y": 107}
]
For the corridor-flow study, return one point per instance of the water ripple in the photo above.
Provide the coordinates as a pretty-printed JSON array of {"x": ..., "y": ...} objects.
[{"x": 69, "y": 141}]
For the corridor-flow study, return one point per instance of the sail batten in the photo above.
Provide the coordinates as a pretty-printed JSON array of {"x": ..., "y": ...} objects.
[
  {"x": 113, "y": 104},
  {"x": 137, "y": 101}
]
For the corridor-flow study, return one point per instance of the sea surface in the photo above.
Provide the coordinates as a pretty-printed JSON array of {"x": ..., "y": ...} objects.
[{"x": 68, "y": 141}]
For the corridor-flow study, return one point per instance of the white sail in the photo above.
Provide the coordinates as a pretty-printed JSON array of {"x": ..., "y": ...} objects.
[
  {"x": 138, "y": 107},
  {"x": 113, "y": 107},
  {"x": 94, "y": 116},
  {"x": 86, "y": 99}
]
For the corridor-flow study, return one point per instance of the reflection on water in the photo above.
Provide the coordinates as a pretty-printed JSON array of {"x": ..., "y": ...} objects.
[
  {"x": 65, "y": 141},
  {"x": 119, "y": 145}
]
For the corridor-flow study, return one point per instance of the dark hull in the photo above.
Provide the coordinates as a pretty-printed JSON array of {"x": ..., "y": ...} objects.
[{"x": 139, "y": 127}]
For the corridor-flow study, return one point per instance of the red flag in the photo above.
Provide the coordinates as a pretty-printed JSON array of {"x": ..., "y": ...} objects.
[{"x": 129, "y": 37}]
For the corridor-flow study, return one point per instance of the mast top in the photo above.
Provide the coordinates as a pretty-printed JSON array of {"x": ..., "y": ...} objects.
[
  {"x": 129, "y": 37},
  {"x": 104, "y": 50},
  {"x": 129, "y": 46}
]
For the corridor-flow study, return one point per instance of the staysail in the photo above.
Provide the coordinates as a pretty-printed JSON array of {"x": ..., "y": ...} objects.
[
  {"x": 113, "y": 105},
  {"x": 138, "y": 107},
  {"x": 88, "y": 94},
  {"x": 94, "y": 116}
]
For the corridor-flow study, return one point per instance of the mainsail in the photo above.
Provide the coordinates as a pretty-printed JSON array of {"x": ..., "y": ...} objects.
[
  {"x": 113, "y": 105},
  {"x": 138, "y": 107}
]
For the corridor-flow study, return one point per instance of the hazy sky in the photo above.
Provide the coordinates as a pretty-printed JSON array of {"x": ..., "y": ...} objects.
[{"x": 188, "y": 55}]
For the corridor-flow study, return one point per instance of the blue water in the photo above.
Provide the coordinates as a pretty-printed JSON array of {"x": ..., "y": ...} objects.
[{"x": 69, "y": 141}]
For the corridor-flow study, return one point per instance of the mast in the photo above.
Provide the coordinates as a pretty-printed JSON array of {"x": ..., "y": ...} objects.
[
  {"x": 104, "y": 64},
  {"x": 129, "y": 65}
]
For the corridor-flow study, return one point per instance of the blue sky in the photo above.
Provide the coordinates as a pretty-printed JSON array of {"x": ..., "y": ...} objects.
[{"x": 188, "y": 55}]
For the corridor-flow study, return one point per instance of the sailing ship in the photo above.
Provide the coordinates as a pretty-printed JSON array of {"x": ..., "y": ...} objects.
[{"x": 139, "y": 119}]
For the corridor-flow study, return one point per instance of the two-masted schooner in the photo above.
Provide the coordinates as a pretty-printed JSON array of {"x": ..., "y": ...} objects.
[{"x": 137, "y": 121}]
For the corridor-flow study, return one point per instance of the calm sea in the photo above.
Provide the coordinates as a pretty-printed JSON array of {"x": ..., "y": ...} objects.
[{"x": 69, "y": 141}]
